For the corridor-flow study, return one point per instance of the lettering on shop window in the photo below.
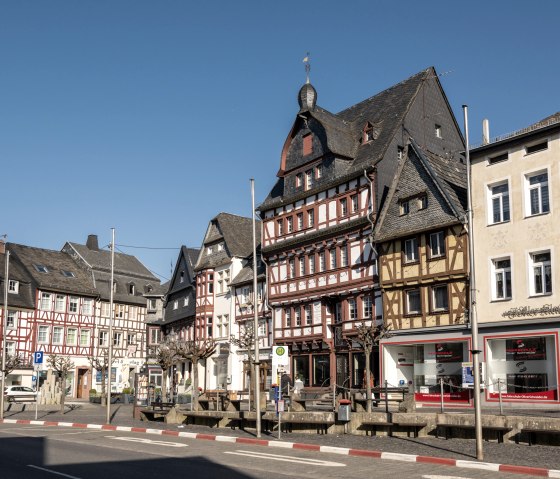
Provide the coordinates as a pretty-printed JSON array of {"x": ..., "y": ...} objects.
[{"x": 522, "y": 311}]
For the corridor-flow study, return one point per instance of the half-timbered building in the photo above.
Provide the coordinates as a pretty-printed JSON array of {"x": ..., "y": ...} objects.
[
  {"x": 421, "y": 240},
  {"x": 243, "y": 326},
  {"x": 63, "y": 320},
  {"x": 19, "y": 317},
  {"x": 131, "y": 280},
  {"x": 334, "y": 173},
  {"x": 226, "y": 246}
]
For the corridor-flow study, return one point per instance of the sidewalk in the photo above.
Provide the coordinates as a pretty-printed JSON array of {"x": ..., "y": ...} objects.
[{"x": 537, "y": 456}]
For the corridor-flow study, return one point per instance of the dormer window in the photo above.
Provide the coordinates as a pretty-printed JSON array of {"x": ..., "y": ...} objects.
[
  {"x": 438, "y": 131},
  {"x": 307, "y": 144},
  {"x": 400, "y": 152},
  {"x": 368, "y": 134},
  {"x": 299, "y": 180},
  {"x": 13, "y": 286},
  {"x": 67, "y": 274},
  {"x": 422, "y": 202},
  {"x": 318, "y": 171},
  {"x": 131, "y": 289},
  {"x": 404, "y": 207},
  {"x": 182, "y": 277},
  {"x": 41, "y": 268},
  {"x": 308, "y": 179}
]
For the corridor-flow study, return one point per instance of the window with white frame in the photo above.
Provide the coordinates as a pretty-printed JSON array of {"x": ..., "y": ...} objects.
[
  {"x": 106, "y": 309},
  {"x": 155, "y": 336},
  {"x": 343, "y": 207},
  {"x": 280, "y": 227},
  {"x": 130, "y": 339},
  {"x": 367, "y": 306},
  {"x": 131, "y": 289},
  {"x": 133, "y": 313},
  {"x": 120, "y": 310},
  {"x": 222, "y": 326},
  {"x": 404, "y": 207},
  {"x": 73, "y": 304},
  {"x": 11, "y": 319},
  {"x": 71, "y": 336},
  {"x": 355, "y": 203},
  {"x": 117, "y": 339},
  {"x": 437, "y": 244},
  {"x": 13, "y": 286},
  {"x": 308, "y": 179},
  {"x": 440, "y": 300},
  {"x": 176, "y": 304},
  {"x": 287, "y": 317},
  {"x": 537, "y": 199},
  {"x": 46, "y": 301},
  {"x": 301, "y": 261},
  {"x": 185, "y": 301},
  {"x": 262, "y": 329},
  {"x": 103, "y": 338},
  {"x": 498, "y": 208},
  {"x": 311, "y": 263},
  {"x": 57, "y": 335},
  {"x": 422, "y": 202},
  {"x": 410, "y": 250},
  {"x": 332, "y": 255},
  {"x": 85, "y": 335},
  {"x": 209, "y": 326},
  {"x": 43, "y": 334},
  {"x": 310, "y": 218},
  {"x": 501, "y": 272},
  {"x": 290, "y": 223},
  {"x": 344, "y": 255},
  {"x": 352, "y": 309},
  {"x": 291, "y": 268},
  {"x": 298, "y": 316},
  {"x": 152, "y": 305},
  {"x": 437, "y": 129},
  {"x": 319, "y": 171},
  {"x": 308, "y": 314},
  {"x": 322, "y": 261},
  {"x": 10, "y": 348},
  {"x": 299, "y": 180},
  {"x": 87, "y": 306},
  {"x": 300, "y": 221},
  {"x": 541, "y": 273},
  {"x": 413, "y": 304}
]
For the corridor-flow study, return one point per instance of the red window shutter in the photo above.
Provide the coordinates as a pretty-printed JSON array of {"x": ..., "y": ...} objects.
[{"x": 307, "y": 144}]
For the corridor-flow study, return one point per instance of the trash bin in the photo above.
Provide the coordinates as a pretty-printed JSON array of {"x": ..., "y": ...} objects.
[{"x": 344, "y": 410}]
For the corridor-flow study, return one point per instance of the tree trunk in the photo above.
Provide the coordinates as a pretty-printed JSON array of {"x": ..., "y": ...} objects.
[
  {"x": 368, "y": 380},
  {"x": 62, "y": 393},
  {"x": 194, "y": 397}
]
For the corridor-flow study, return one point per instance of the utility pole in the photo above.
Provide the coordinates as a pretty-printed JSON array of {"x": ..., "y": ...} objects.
[
  {"x": 473, "y": 319},
  {"x": 256, "y": 315},
  {"x": 111, "y": 314}
]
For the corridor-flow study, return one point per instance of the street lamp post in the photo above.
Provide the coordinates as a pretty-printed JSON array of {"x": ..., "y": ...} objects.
[
  {"x": 256, "y": 316},
  {"x": 4, "y": 320},
  {"x": 111, "y": 314}
]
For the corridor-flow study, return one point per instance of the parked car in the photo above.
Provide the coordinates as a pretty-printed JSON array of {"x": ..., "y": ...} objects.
[{"x": 16, "y": 393}]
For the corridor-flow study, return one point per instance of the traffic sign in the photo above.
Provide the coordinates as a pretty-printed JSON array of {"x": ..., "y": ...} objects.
[{"x": 38, "y": 357}]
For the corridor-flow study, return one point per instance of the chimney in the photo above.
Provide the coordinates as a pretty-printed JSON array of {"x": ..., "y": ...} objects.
[
  {"x": 485, "y": 132},
  {"x": 92, "y": 243}
]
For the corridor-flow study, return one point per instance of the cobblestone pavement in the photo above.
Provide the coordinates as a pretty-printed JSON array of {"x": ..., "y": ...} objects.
[{"x": 509, "y": 453}]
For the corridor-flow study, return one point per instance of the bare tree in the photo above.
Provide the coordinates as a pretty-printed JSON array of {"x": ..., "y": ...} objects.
[
  {"x": 13, "y": 361},
  {"x": 246, "y": 340},
  {"x": 167, "y": 356},
  {"x": 62, "y": 366},
  {"x": 195, "y": 351},
  {"x": 101, "y": 363},
  {"x": 369, "y": 335}
]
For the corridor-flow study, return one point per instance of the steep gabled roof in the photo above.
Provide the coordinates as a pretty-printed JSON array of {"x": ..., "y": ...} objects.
[
  {"x": 443, "y": 180},
  {"x": 187, "y": 257},
  {"x": 76, "y": 280},
  {"x": 25, "y": 297},
  {"x": 237, "y": 234},
  {"x": 344, "y": 131}
]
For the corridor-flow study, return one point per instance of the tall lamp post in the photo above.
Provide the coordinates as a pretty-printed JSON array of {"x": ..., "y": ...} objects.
[
  {"x": 256, "y": 315},
  {"x": 111, "y": 314},
  {"x": 4, "y": 319},
  {"x": 473, "y": 319}
]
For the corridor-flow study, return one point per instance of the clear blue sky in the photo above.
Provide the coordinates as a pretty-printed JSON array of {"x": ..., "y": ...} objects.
[{"x": 151, "y": 116}]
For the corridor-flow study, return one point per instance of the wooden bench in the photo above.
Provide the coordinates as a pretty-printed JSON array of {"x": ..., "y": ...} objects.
[
  {"x": 532, "y": 434},
  {"x": 447, "y": 428}
]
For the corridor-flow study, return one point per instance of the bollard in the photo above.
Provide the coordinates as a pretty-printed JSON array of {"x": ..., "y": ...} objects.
[{"x": 441, "y": 393}]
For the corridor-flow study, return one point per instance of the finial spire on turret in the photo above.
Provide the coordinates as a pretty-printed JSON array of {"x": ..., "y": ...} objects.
[{"x": 306, "y": 60}]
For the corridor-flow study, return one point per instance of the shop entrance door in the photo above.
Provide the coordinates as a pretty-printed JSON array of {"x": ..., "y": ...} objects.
[
  {"x": 342, "y": 377},
  {"x": 82, "y": 386}
]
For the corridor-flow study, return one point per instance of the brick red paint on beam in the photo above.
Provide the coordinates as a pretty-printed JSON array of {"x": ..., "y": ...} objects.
[{"x": 534, "y": 471}]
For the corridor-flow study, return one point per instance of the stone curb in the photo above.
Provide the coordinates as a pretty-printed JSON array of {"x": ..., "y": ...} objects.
[{"x": 393, "y": 456}]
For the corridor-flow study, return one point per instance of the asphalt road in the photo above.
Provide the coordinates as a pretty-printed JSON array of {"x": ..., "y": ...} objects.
[{"x": 50, "y": 452}]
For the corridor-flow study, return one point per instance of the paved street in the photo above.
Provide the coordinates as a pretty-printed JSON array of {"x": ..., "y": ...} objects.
[{"x": 41, "y": 451}]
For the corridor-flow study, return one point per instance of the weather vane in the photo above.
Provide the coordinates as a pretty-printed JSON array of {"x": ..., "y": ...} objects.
[{"x": 306, "y": 60}]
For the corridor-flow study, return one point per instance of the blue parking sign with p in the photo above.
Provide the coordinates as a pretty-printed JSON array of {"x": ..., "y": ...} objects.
[{"x": 38, "y": 357}]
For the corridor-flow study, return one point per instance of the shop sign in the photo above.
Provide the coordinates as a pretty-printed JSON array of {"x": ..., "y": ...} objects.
[
  {"x": 447, "y": 352},
  {"x": 532, "y": 396},
  {"x": 524, "y": 311},
  {"x": 525, "y": 349},
  {"x": 459, "y": 396}
]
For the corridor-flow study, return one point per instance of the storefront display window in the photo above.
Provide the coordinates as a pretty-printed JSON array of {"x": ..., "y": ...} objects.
[
  {"x": 301, "y": 369},
  {"x": 522, "y": 368},
  {"x": 321, "y": 370}
]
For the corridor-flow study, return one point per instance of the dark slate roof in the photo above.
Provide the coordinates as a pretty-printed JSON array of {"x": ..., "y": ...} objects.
[
  {"x": 237, "y": 234},
  {"x": 100, "y": 260},
  {"x": 25, "y": 298},
  {"x": 185, "y": 262},
  {"x": 55, "y": 262},
  {"x": 443, "y": 180},
  {"x": 385, "y": 111},
  {"x": 245, "y": 276},
  {"x": 158, "y": 290}
]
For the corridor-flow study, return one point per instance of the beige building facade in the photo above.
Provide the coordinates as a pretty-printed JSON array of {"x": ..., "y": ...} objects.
[{"x": 516, "y": 201}]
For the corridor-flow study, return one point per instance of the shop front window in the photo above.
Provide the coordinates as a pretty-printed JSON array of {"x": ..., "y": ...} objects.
[
  {"x": 522, "y": 368},
  {"x": 321, "y": 370},
  {"x": 301, "y": 369}
]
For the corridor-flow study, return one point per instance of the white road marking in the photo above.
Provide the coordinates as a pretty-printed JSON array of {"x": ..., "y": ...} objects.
[
  {"x": 275, "y": 457},
  {"x": 147, "y": 441},
  {"x": 52, "y": 472},
  {"x": 444, "y": 477}
]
